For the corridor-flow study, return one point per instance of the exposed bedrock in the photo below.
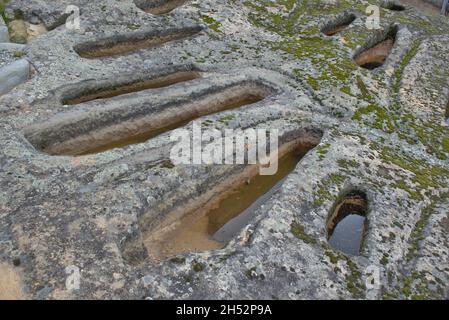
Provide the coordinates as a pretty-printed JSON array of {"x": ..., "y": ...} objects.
[{"x": 93, "y": 207}]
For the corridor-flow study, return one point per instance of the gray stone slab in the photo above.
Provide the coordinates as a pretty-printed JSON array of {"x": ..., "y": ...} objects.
[
  {"x": 13, "y": 75},
  {"x": 4, "y": 34}
]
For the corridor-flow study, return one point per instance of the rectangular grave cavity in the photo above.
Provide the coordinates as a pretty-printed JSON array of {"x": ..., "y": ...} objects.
[
  {"x": 99, "y": 130},
  {"x": 376, "y": 51},
  {"x": 346, "y": 223},
  {"x": 338, "y": 24},
  {"x": 446, "y": 115},
  {"x": 94, "y": 90},
  {"x": 126, "y": 43},
  {"x": 158, "y": 6},
  {"x": 229, "y": 203}
]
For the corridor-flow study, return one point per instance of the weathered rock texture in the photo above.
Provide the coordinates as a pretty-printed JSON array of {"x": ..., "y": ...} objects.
[
  {"x": 13, "y": 74},
  {"x": 384, "y": 133}
]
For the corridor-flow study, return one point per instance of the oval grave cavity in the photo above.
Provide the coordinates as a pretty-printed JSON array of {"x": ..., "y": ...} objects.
[
  {"x": 346, "y": 225},
  {"x": 338, "y": 24}
]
